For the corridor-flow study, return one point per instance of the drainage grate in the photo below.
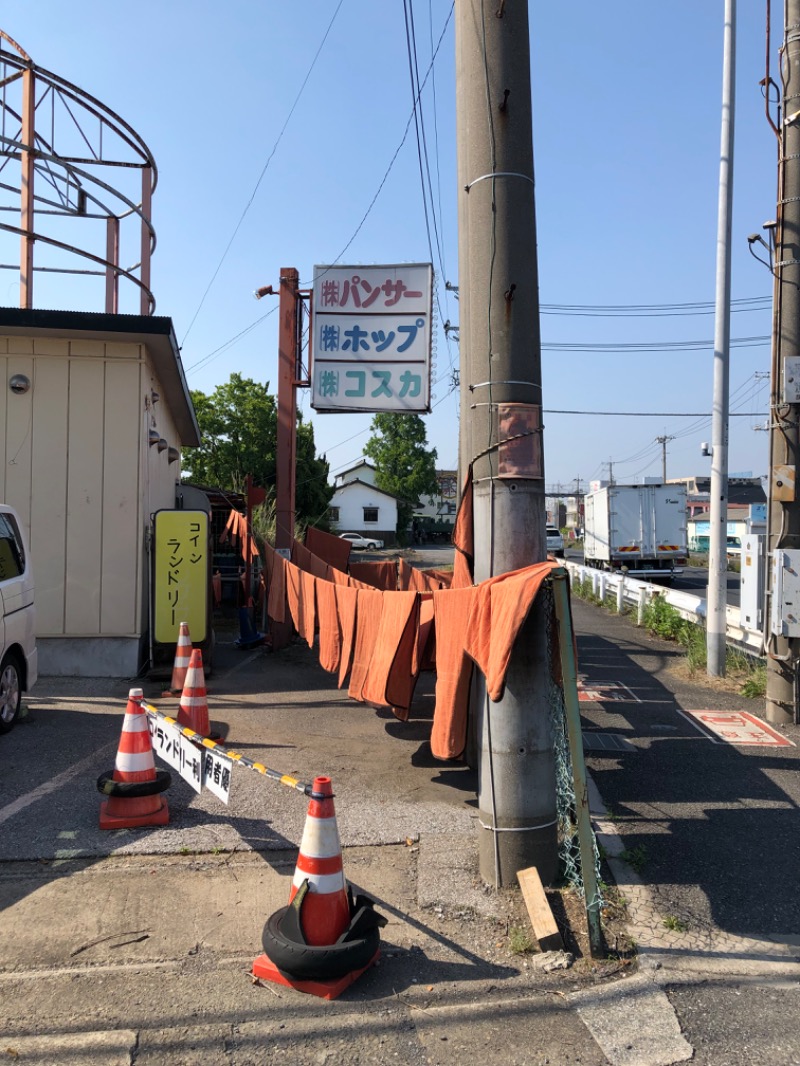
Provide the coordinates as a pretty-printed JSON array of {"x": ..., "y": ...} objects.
[{"x": 593, "y": 741}]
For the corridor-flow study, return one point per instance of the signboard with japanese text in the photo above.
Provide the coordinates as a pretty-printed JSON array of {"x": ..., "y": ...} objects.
[
  {"x": 217, "y": 773},
  {"x": 372, "y": 338},
  {"x": 180, "y": 574},
  {"x": 177, "y": 751}
]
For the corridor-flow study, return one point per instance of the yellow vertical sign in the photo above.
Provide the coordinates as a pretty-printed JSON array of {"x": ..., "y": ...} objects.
[{"x": 180, "y": 574}]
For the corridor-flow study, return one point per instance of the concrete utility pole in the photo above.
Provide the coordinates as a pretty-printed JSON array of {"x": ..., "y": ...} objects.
[
  {"x": 717, "y": 594},
  {"x": 502, "y": 396},
  {"x": 784, "y": 511},
  {"x": 663, "y": 441}
]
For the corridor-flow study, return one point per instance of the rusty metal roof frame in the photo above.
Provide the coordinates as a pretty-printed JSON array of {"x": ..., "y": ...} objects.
[{"x": 52, "y": 184}]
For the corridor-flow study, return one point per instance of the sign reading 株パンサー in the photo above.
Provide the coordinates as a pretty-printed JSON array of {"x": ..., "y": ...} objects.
[{"x": 371, "y": 348}]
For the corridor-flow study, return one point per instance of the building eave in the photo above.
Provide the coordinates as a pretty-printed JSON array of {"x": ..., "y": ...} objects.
[{"x": 155, "y": 332}]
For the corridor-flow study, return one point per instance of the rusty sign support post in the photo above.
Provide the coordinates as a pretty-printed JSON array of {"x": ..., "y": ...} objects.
[{"x": 286, "y": 441}]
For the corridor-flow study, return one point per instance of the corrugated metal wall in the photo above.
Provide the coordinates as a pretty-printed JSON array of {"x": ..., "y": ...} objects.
[{"x": 75, "y": 462}]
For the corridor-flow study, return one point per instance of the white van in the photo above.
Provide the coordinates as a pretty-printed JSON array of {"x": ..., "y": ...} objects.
[{"x": 18, "y": 656}]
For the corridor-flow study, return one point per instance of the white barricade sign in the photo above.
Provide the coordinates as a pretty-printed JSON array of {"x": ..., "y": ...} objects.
[
  {"x": 217, "y": 773},
  {"x": 176, "y": 750},
  {"x": 191, "y": 767},
  {"x": 165, "y": 741}
]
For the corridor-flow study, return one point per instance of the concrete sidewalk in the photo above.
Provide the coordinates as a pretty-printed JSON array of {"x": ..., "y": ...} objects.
[{"x": 134, "y": 946}]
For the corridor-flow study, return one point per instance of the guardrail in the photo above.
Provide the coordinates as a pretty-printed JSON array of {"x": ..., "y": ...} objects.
[{"x": 633, "y": 591}]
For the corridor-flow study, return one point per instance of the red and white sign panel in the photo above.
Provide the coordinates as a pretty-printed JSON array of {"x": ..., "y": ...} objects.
[
  {"x": 738, "y": 727},
  {"x": 371, "y": 338}
]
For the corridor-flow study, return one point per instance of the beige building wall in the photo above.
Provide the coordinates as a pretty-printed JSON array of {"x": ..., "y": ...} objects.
[{"x": 76, "y": 462}]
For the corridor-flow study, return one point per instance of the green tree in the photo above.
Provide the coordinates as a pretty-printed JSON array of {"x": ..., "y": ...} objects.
[
  {"x": 404, "y": 464},
  {"x": 238, "y": 426}
]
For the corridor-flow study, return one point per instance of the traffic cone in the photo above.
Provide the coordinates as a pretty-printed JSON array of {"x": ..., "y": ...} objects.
[
  {"x": 326, "y": 909},
  {"x": 324, "y": 941},
  {"x": 134, "y": 766},
  {"x": 193, "y": 711},
  {"x": 183, "y": 654}
]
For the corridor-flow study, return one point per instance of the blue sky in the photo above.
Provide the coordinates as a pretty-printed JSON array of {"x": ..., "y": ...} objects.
[{"x": 626, "y": 105}]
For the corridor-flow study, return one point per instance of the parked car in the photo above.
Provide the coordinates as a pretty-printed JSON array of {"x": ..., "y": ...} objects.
[
  {"x": 362, "y": 543},
  {"x": 555, "y": 542},
  {"x": 18, "y": 655}
]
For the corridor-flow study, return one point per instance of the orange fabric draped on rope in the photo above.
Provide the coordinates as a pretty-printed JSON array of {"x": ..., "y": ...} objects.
[
  {"x": 389, "y": 678},
  {"x": 368, "y": 618},
  {"x": 500, "y": 606},
  {"x": 453, "y": 672},
  {"x": 380, "y": 575},
  {"x": 346, "y": 607},
  {"x": 330, "y": 633}
]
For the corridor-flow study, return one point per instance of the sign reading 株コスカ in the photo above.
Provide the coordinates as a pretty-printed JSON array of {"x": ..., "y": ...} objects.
[
  {"x": 372, "y": 338},
  {"x": 180, "y": 574}
]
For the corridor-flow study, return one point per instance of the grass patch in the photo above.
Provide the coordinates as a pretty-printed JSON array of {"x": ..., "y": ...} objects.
[
  {"x": 674, "y": 924},
  {"x": 521, "y": 940},
  {"x": 635, "y": 857}
]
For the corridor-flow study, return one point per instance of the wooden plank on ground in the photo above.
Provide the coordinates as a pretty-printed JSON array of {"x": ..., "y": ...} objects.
[{"x": 542, "y": 920}]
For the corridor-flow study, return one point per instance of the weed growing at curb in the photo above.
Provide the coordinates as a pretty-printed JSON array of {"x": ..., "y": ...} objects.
[
  {"x": 675, "y": 925},
  {"x": 635, "y": 857},
  {"x": 520, "y": 940}
]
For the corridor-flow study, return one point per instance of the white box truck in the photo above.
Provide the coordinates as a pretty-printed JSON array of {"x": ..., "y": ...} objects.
[{"x": 641, "y": 528}]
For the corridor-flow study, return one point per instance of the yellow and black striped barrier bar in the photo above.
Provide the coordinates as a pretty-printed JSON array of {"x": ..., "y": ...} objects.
[{"x": 259, "y": 767}]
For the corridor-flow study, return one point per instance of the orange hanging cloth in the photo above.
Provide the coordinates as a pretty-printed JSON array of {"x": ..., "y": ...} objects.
[
  {"x": 368, "y": 618},
  {"x": 381, "y": 575},
  {"x": 330, "y": 634},
  {"x": 464, "y": 538},
  {"x": 500, "y": 606},
  {"x": 294, "y": 596},
  {"x": 453, "y": 672},
  {"x": 389, "y": 679},
  {"x": 346, "y": 607},
  {"x": 308, "y": 593}
]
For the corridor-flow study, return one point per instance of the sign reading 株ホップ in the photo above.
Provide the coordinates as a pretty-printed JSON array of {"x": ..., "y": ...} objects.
[
  {"x": 180, "y": 574},
  {"x": 371, "y": 330}
]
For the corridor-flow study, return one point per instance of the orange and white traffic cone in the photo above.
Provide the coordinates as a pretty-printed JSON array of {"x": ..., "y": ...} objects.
[
  {"x": 323, "y": 941},
  {"x": 193, "y": 711},
  {"x": 183, "y": 654},
  {"x": 134, "y": 787},
  {"x": 326, "y": 909}
]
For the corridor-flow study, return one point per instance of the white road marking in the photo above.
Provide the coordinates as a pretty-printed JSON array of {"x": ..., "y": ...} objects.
[{"x": 55, "y": 783}]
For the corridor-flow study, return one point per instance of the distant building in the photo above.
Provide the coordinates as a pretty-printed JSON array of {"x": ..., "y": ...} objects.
[
  {"x": 742, "y": 521},
  {"x": 445, "y": 503},
  {"x": 359, "y": 506},
  {"x": 741, "y": 490}
]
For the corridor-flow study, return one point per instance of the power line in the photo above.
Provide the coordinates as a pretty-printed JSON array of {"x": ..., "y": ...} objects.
[
  {"x": 650, "y": 346},
  {"x": 653, "y": 414},
  {"x": 751, "y": 303},
  {"x": 263, "y": 171}
]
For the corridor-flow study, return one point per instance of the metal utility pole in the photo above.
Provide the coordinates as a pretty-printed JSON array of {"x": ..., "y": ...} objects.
[
  {"x": 784, "y": 513},
  {"x": 663, "y": 440},
  {"x": 502, "y": 395},
  {"x": 610, "y": 465},
  {"x": 717, "y": 594}
]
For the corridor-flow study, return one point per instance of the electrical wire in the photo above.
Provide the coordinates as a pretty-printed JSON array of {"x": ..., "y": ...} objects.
[
  {"x": 263, "y": 170},
  {"x": 307, "y": 284},
  {"x": 752, "y": 303}
]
